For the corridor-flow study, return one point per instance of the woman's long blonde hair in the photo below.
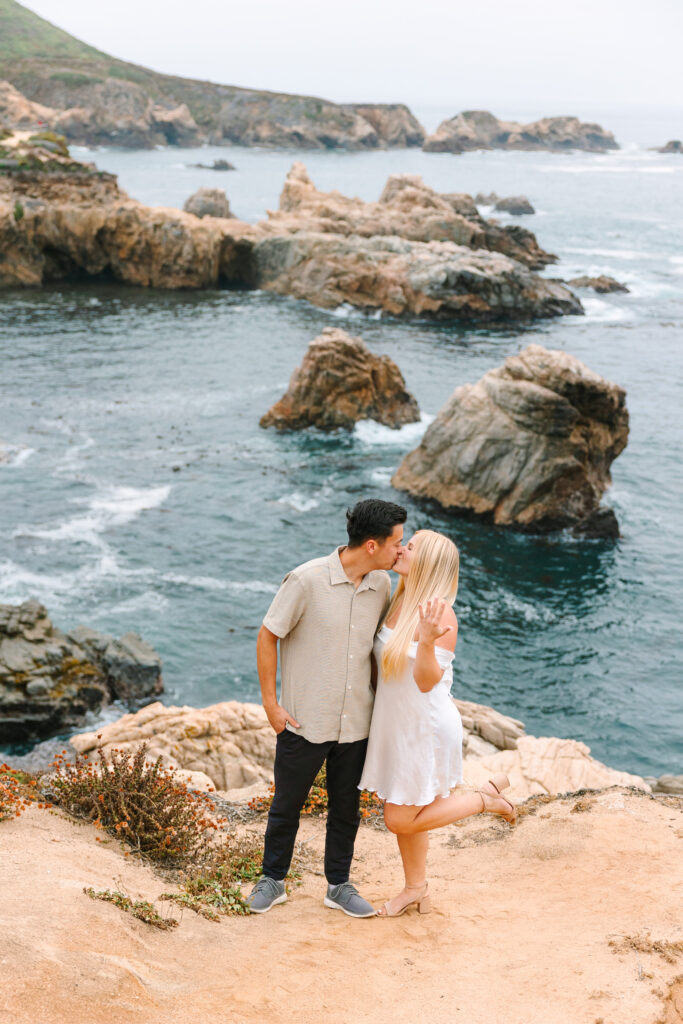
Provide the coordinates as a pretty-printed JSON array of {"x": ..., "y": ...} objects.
[{"x": 433, "y": 574}]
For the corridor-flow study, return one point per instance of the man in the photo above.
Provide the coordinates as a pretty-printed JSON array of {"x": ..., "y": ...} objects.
[{"x": 325, "y": 616}]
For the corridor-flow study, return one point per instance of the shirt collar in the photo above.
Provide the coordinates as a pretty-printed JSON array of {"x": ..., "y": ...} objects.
[{"x": 337, "y": 574}]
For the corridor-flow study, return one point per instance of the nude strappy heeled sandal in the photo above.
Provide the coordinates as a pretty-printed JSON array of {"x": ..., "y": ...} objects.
[
  {"x": 499, "y": 783},
  {"x": 424, "y": 903}
]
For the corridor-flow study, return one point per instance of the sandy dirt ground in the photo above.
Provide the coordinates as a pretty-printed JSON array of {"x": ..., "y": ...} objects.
[{"x": 519, "y": 933}]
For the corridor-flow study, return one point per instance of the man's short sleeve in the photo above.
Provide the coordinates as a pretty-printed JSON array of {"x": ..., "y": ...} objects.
[{"x": 287, "y": 607}]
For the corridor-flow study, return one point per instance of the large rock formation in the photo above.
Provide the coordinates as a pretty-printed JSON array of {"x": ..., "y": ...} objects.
[
  {"x": 674, "y": 146},
  {"x": 340, "y": 382},
  {"x": 208, "y": 202},
  {"x": 434, "y": 280},
  {"x": 601, "y": 284},
  {"x": 231, "y": 743},
  {"x": 407, "y": 208},
  {"x": 529, "y": 446},
  {"x": 478, "y": 129},
  {"x": 233, "y": 746},
  {"x": 62, "y": 220},
  {"x": 50, "y": 680}
]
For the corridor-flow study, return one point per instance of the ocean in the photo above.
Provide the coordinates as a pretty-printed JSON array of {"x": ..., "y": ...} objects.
[{"x": 142, "y": 495}]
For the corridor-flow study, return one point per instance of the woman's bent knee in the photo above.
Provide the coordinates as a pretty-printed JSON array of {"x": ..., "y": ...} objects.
[{"x": 399, "y": 821}]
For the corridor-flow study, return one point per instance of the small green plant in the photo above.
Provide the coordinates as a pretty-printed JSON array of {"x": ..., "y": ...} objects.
[
  {"x": 140, "y": 802},
  {"x": 142, "y": 909},
  {"x": 210, "y": 895},
  {"x": 18, "y": 211}
]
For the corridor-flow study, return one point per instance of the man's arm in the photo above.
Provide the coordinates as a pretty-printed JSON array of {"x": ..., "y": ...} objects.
[{"x": 266, "y": 663}]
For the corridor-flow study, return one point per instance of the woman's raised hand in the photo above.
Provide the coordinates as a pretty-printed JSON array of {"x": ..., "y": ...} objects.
[{"x": 429, "y": 627}]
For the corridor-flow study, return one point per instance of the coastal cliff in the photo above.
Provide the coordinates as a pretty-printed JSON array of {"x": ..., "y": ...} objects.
[
  {"x": 95, "y": 99},
  {"x": 573, "y": 913},
  {"x": 479, "y": 129},
  {"x": 62, "y": 220}
]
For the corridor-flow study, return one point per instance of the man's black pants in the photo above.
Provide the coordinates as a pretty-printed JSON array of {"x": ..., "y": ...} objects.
[{"x": 297, "y": 762}]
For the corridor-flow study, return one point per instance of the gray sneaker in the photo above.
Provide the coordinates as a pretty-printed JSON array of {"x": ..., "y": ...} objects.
[
  {"x": 347, "y": 898},
  {"x": 266, "y": 893}
]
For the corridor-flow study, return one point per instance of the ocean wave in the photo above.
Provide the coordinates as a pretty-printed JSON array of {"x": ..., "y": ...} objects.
[
  {"x": 147, "y": 601},
  {"x": 15, "y": 455},
  {"x": 619, "y": 254},
  {"x": 372, "y": 433},
  {"x": 348, "y": 312},
  {"x": 604, "y": 312},
  {"x": 382, "y": 475},
  {"x": 113, "y": 506},
  {"x": 213, "y": 583},
  {"x": 299, "y": 502}
]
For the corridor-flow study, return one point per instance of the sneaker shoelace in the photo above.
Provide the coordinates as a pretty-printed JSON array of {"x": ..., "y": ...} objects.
[
  {"x": 266, "y": 885},
  {"x": 346, "y": 889}
]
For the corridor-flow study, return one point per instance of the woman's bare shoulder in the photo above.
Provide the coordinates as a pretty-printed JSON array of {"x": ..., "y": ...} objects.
[{"x": 450, "y": 622}]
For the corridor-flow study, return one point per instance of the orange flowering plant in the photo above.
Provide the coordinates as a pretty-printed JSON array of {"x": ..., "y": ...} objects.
[
  {"x": 316, "y": 801},
  {"x": 16, "y": 792},
  {"x": 138, "y": 801}
]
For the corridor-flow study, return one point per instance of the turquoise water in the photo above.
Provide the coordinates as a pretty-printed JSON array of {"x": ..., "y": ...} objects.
[{"x": 143, "y": 495}]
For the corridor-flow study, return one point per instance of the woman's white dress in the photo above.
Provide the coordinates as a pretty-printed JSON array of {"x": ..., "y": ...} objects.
[{"x": 415, "y": 743}]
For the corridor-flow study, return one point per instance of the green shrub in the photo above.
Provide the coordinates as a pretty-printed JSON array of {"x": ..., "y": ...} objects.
[{"x": 18, "y": 211}]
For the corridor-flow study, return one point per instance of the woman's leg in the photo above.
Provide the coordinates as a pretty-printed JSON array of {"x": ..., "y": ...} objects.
[
  {"x": 404, "y": 819},
  {"x": 413, "y": 849}
]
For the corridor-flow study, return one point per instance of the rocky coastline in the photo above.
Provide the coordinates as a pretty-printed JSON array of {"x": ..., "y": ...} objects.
[
  {"x": 50, "y": 681},
  {"x": 479, "y": 129},
  {"x": 414, "y": 253}
]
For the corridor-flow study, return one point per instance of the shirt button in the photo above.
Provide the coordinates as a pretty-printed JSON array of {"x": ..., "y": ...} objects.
[{"x": 350, "y": 656}]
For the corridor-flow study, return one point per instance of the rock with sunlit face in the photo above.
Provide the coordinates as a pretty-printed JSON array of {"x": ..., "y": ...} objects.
[
  {"x": 340, "y": 382},
  {"x": 529, "y": 446}
]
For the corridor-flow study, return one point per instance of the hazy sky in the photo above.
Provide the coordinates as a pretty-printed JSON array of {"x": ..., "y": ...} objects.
[{"x": 535, "y": 55}]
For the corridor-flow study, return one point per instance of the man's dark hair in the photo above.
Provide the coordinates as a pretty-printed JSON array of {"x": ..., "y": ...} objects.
[{"x": 373, "y": 520}]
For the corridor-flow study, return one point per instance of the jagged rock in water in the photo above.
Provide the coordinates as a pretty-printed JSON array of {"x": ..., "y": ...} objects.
[
  {"x": 674, "y": 146},
  {"x": 434, "y": 280},
  {"x": 49, "y": 680},
  {"x": 479, "y": 129},
  {"x": 407, "y": 208},
  {"x": 208, "y": 202},
  {"x": 340, "y": 382},
  {"x": 217, "y": 165},
  {"x": 516, "y": 205},
  {"x": 486, "y": 198},
  {"x": 75, "y": 221},
  {"x": 529, "y": 446},
  {"x": 601, "y": 284}
]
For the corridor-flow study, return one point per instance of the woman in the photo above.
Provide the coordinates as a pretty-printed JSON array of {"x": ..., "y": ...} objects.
[{"x": 414, "y": 755}]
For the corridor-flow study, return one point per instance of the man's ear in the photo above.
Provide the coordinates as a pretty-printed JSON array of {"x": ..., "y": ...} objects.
[{"x": 371, "y": 546}]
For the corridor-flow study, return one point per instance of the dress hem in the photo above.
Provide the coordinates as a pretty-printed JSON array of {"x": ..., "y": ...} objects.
[{"x": 412, "y": 803}]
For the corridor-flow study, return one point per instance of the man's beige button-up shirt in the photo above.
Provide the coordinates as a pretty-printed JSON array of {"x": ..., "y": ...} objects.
[{"x": 327, "y": 628}]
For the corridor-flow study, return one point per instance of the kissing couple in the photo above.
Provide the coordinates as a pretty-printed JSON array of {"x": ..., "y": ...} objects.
[{"x": 365, "y": 687}]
